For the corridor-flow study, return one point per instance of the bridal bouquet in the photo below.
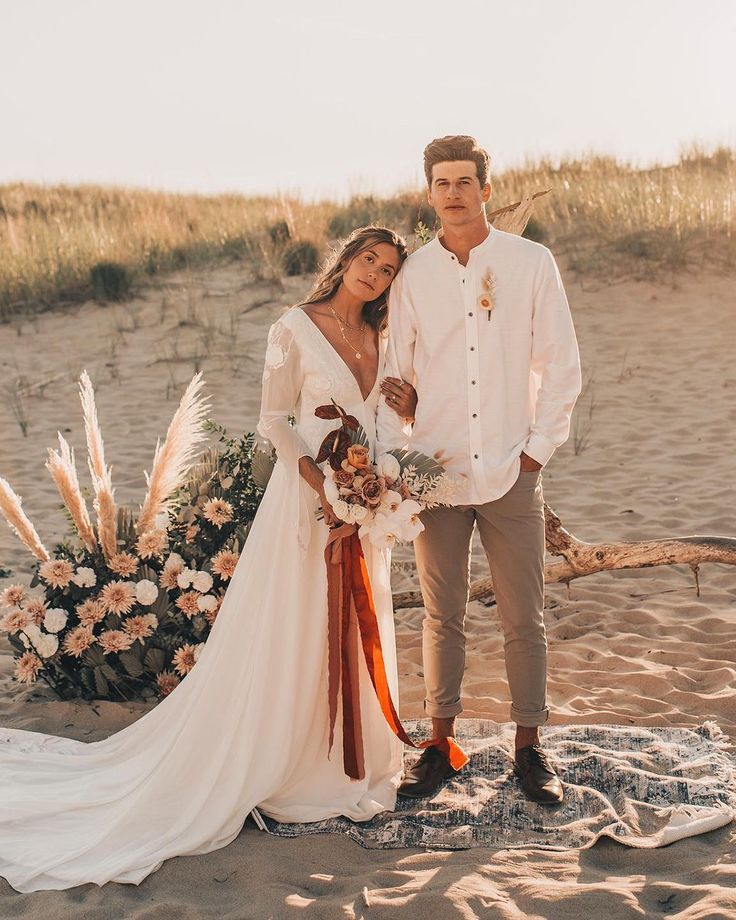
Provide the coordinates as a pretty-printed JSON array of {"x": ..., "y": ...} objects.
[{"x": 385, "y": 497}]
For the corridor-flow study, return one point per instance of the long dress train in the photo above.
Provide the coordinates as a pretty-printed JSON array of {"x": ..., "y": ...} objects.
[{"x": 249, "y": 725}]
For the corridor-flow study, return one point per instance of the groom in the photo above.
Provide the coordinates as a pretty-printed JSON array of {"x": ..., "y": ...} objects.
[{"x": 479, "y": 322}]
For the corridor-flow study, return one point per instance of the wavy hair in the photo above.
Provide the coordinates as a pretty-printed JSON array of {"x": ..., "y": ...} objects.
[{"x": 375, "y": 312}]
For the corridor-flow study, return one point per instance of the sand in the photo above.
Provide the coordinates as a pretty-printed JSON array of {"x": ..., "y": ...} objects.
[{"x": 655, "y": 458}]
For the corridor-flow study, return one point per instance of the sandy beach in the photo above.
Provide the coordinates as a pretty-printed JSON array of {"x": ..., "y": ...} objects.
[{"x": 651, "y": 455}]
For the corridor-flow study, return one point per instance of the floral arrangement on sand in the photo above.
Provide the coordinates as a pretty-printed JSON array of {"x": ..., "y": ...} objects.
[{"x": 122, "y": 610}]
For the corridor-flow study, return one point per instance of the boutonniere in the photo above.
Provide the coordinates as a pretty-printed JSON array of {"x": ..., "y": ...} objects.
[{"x": 487, "y": 299}]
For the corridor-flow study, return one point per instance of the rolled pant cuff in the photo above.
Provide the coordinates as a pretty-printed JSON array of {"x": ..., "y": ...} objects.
[
  {"x": 438, "y": 711},
  {"x": 529, "y": 719}
]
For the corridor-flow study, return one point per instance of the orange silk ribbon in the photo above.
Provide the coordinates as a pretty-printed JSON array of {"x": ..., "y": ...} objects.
[{"x": 351, "y": 611}]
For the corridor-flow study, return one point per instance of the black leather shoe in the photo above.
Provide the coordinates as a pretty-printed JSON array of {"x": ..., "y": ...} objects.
[
  {"x": 426, "y": 775},
  {"x": 538, "y": 778}
]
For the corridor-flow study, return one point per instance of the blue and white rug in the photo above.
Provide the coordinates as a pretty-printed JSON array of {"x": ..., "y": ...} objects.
[{"x": 645, "y": 787}]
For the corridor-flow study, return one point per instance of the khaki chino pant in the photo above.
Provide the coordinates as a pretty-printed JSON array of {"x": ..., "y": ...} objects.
[{"x": 511, "y": 529}]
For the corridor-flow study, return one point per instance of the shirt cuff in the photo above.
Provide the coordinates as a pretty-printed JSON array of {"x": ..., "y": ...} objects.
[{"x": 539, "y": 448}]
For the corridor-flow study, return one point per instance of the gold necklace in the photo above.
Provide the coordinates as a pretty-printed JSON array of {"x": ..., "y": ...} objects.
[{"x": 340, "y": 322}]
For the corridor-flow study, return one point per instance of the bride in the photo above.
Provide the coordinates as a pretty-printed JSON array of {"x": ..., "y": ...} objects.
[{"x": 250, "y": 724}]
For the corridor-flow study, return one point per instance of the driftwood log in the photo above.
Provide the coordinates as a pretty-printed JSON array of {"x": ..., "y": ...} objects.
[{"x": 580, "y": 558}]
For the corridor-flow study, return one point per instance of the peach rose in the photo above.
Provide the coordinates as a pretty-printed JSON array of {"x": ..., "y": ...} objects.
[{"x": 358, "y": 456}]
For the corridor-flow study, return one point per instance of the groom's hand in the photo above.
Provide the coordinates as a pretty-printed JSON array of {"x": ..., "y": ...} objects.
[{"x": 529, "y": 464}]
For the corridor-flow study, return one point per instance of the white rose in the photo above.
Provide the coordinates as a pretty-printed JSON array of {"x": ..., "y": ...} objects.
[
  {"x": 388, "y": 466},
  {"x": 146, "y": 592},
  {"x": 360, "y": 514},
  {"x": 332, "y": 493},
  {"x": 184, "y": 579},
  {"x": 174, "y": 561},
  {"x": 341, "y": 509},
  {"x": 202, "y": 581},
  {"x": 85, "y": 577},
  {"x": 33, "y": 632},
  {"x": 47, "y": 646},
  {"x": 206, "y": 602},
  {"x": 55, "y": 619}
]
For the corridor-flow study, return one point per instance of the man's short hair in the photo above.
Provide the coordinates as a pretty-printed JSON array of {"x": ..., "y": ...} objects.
[{"x": 456, "y": 147}]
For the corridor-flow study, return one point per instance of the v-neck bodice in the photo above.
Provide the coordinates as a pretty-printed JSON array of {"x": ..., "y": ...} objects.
[{"x": 342, "y": 361}]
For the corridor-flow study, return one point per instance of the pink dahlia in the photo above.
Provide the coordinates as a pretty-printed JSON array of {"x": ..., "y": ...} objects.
[
  {"x": 27, "y": 668},
  {"x": 114, "y": 640},
  {"x": 188, "y": 603},
  {"x": 117, "y": 597},
  {"x": 90, "y": 612},
  {"x": 223, "y": 564},
  {"x": 166, "y": 682},
  {"x": 184, "y": 659},
  {"x": 217, "y": 511},
  {"x": 141, "y": 627},
  {"x": 152, "y": 543},
  {"x": 56, "y": 572},
  {"x": 14, "y": 621},
  {"x": 124, "y": 564},
  {"x": 78, "y": 640},
  {"x": 13, "y": 596}
]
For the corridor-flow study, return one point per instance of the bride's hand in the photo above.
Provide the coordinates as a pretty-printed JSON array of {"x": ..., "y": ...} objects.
[
  {"x": 329, "y": 515},
  {"x": 400, "y": 396}
]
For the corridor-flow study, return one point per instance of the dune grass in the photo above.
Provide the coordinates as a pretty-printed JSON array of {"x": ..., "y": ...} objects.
[{"x": 64, "y": 243}]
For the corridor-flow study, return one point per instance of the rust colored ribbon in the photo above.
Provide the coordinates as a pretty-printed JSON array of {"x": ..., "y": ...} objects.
[{"x": 351, "y": 611}]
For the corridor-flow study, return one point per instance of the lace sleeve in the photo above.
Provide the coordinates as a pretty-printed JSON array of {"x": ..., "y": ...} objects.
[{"x": 282, "y": 385}]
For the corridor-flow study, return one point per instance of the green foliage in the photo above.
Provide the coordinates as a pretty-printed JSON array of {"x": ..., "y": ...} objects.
[
  {"x": 300, "y": 258},
  {"x": 110, "y": 281}
]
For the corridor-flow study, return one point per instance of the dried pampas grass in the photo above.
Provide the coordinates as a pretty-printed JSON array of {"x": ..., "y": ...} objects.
[
  {"x": 63, "y": 471},
  {"x": 104, "y": 503},
  {"x": 10, "y": 506},
  {"x": 173, "y": 458}
]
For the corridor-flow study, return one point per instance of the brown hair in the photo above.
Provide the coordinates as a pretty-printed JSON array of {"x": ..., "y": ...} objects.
[
  {"x": 454, "y": 147},
  {"x": 375, "y": 312}
]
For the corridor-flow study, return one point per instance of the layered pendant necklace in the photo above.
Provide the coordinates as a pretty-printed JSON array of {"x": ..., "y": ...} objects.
[{"x": 342, "y": 325}]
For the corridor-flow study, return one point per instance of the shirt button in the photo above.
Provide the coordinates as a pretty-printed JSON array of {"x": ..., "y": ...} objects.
[
  {"x": 472, "y": 347},
  {"x": 475, "y": 415},
  {"x": 470, "y": 314},
  {"x": 476, "y": 456},
  {"x": 473, "y": 382}
]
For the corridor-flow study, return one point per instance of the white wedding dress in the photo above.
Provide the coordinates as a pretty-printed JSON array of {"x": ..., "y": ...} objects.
[{"x": 249, "y": 725}]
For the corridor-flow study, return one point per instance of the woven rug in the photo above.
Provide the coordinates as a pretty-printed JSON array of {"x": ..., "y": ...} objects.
[{"x": 645, "y": 787}]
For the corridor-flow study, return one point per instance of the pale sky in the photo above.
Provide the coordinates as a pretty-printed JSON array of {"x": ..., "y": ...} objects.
[{"x": 336, "y": 97}]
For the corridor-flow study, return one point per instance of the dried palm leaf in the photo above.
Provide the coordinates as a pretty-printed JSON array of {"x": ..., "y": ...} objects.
[
  {"x": 63, "y": 471},
  {"x": 172, "y": 458},
  {"x": 513, "y": 218},
  {"x": 10, "y": 506}
]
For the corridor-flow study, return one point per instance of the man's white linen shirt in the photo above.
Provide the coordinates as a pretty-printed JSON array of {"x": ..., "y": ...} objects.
[{"x": 488, "y": 389}]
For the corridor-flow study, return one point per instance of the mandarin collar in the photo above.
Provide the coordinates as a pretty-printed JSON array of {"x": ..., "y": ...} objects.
[{"x": 476, "y": 250}]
